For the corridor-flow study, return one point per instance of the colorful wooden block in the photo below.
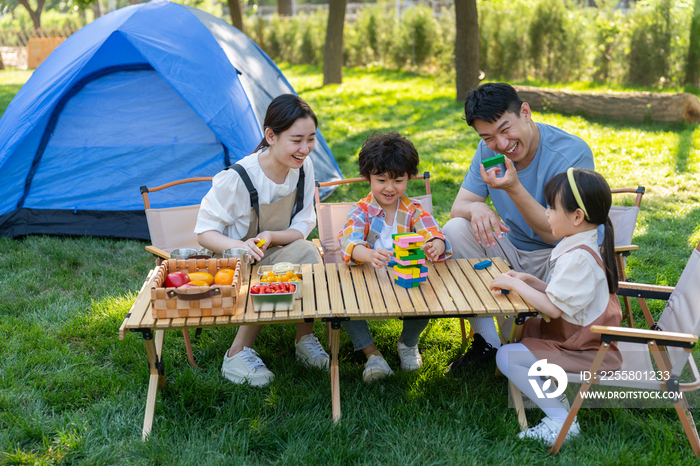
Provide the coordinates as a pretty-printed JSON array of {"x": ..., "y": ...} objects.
[
  {"x": 412, "y": 245},
  {"x": 505, "y": 291},
  {"x": 410, "y": 257},
  {"x": 403, "y": 240},
  {"x": 487, "y": 163},
  {"x": 413, "y": 270},
  {"x": 408, "y": 263},
  {"x": 412, "y": 283},
  {"x": 482, "y": 265},
  {"x": 410, "y": 276}
]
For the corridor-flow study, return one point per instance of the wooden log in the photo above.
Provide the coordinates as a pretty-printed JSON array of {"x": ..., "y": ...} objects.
[{"x": 630, "y": 106}]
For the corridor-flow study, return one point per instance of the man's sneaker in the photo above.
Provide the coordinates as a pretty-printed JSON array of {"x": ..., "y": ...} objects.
[
  {"x": 479, "y": 352},
  {"x": 548, "y": 430},
  {"x": 409, "y": 357},
  {"x": 310, "y": 352},
  {"x": 376, "y": 368},
  {"x": 246, "y": 366}
]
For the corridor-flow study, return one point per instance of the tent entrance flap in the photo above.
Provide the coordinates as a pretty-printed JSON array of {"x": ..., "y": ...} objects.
[{"x": 97, "y": 126}]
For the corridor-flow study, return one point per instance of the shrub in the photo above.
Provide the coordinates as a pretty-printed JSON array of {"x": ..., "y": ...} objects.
[
  {"x": 415, "y": 35},
  {"x": 650, "y": 42}
]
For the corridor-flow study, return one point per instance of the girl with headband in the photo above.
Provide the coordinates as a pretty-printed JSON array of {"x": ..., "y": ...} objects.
[{"x": 580, "y": 293}]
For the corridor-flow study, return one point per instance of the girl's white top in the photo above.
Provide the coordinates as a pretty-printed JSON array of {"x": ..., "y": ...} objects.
[
  {"x": 578, "y": 285},
  {"x": 226, "y": 207}
]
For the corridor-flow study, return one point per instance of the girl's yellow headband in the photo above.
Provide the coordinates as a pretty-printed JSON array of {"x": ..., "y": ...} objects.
[{"x": 577, "y": 195}]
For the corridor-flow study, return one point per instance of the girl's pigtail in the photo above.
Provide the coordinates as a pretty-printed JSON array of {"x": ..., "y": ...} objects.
[{"x": 611, "y": 273}]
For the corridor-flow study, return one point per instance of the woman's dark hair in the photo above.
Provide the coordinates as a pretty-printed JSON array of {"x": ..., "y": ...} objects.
[
  {"x": 388, "y": 153},
  {"x": 597, "y": 198},
  {"x": 490, "y": 101},
  {"x": 281, "y": 114}
]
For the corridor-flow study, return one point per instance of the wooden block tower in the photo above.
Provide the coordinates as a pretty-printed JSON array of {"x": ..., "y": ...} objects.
[{"x": 408, "y": 258}]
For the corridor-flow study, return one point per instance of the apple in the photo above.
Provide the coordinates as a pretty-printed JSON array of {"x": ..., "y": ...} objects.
[{"x": 176, "y": 279}]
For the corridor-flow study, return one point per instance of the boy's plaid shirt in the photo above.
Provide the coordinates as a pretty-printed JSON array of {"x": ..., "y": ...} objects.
[{"x": 366, "y": 221}]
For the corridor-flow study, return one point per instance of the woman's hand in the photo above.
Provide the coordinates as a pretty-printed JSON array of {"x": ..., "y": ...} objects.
[
  {"x": 380, "y": 258},
  {"x": 434, "y": 249},
  {"x": 258, "y": 252}
]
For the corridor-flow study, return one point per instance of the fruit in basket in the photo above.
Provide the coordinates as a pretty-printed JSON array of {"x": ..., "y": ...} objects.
[
  {"x": 176, "y": 279},
  {"x": 224, "y": 277},
  {"x": 198, "y": 283},
  {"x": 202, "y": 276}
]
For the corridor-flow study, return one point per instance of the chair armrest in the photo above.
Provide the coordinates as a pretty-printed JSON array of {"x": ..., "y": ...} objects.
[
  {"x": 626, "y": 249},
  {"x": 641, "y": 290},
  {"x": 319, "y": 245},
  {"x": 158, "y": 252},
  {"x": 636, "y": 335}
]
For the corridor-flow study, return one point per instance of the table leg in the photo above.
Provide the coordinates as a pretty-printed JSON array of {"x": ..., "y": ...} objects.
[
  {"x": 335, "y": 375},
  {"x": 154, "y": 352},
  {"x": 519, "y": 407}
]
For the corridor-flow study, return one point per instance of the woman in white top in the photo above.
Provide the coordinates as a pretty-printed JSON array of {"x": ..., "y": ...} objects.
[
  {"x": 581, "y": 293},
  {"x": 268, "y": 195}
]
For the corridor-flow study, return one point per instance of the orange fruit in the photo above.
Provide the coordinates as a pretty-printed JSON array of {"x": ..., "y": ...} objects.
[{"x": 224, "y": 277}]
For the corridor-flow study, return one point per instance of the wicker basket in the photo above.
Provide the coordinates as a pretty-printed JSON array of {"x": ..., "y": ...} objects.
[{"x": 202, "y": 301}]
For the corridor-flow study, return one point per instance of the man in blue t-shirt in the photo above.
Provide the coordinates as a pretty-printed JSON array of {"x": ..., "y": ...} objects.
[{"x": 517, "y": 230}]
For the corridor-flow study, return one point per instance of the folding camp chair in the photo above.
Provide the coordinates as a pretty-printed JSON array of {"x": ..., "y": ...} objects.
[
  {"x": 624, "y": 220},
  {"x": 173, "y": 228},
  {"x": 670, "y": 343},
  {"x": 331, "y": 218}
]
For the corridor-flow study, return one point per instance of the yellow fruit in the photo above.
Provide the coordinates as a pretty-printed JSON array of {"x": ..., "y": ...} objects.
[
  {"x": 201, "y": 276},
  {"x": 199, "y": 283}
]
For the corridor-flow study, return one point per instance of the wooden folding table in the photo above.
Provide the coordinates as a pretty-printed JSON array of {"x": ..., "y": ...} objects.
[{"x": 335, "y": 293}]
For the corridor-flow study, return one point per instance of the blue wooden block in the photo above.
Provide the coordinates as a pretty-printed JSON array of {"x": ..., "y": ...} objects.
[
  {"x": 482, "y": 265},
  {"x": 505, "y": 291}
]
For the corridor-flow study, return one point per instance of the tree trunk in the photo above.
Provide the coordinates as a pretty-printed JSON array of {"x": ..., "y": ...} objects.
[
  {"x": 97, "y": 9},
  {"x": 234, "y": 8},
  {"x": 466, "y": 47},
  {"x": 284, "y": 7},
  {"x": 333, "y": 51},
  {"x": 692, "y": 73},
  {"x": 633, "y": 106},
  {"x": 35, "y": 15}
]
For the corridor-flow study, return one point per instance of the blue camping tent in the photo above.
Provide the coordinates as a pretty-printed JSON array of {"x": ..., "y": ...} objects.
[{"x": 145, "y": 95}]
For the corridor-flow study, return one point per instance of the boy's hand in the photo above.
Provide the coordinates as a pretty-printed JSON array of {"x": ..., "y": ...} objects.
[
  {"x": 380, "y": 258},
  {"x": 434, "y": 249}
]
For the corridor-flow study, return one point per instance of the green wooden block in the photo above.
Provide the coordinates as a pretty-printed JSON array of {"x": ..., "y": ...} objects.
[{"x": 494, "y": 161}]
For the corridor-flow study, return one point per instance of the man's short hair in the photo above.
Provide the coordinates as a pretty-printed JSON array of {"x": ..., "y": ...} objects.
[
  {"x": 388, "y": 153},
  {"x": 490, "y": 101}
]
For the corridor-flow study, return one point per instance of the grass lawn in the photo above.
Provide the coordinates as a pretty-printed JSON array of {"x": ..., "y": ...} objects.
[{"x": 71, "y": 392}]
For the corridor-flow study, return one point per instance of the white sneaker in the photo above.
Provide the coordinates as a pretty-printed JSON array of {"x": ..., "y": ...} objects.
[
  {"x": 310, "y": 352},
  {"x": 246, "y": 366},
  {"x": 409, "y": 357},
  {"x": 376, "y": 368},
  {"x": 548, "y": 430}
]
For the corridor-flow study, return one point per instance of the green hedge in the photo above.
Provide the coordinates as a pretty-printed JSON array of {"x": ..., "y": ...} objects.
[{"x": 520, "y": 40}]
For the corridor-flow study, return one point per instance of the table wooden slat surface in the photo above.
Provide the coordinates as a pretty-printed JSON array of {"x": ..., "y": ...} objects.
[{"x": 337, "y": 292}]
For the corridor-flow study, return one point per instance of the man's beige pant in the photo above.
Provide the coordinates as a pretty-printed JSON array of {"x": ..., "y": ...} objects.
[{"x": 465, "y": 246}]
